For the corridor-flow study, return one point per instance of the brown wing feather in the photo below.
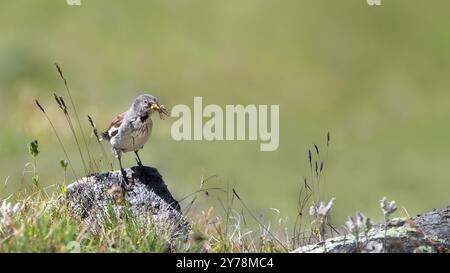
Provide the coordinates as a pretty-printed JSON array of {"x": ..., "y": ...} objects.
[{"x": 115, "y": 123}]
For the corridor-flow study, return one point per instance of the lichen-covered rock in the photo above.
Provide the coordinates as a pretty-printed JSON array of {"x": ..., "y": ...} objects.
[
  {"x": 99, "y": 196},
  {"x": 429, "y": 232},
  {"x": 435, "y": 223}
]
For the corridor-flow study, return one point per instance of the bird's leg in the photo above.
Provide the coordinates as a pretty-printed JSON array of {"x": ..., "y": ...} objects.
[
  {"x": 112, "y": 163},
  {"x": 138, "y": 160},
  {"x": 124, "y": 174}
]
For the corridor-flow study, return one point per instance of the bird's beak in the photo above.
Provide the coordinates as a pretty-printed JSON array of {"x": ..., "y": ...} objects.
[{"x": 155, "y": 106}]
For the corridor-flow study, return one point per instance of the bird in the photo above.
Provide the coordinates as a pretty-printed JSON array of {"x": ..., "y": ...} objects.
[{"x": 130, "y": 130}]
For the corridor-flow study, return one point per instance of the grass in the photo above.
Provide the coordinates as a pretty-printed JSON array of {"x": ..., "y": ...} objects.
[
  {"x": 375, "y": 77},
  {"x": 38, "y": 220},
  {"x": 42, "y": 223}
]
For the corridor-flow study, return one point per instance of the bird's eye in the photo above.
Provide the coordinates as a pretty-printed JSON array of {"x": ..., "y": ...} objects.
[{"x": 146, "y": 101}]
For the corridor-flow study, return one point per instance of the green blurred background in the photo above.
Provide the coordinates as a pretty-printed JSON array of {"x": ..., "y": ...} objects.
[{"x": 376, "y": 77}]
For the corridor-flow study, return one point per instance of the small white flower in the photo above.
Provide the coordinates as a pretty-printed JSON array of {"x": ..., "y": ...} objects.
[
  {"x": 359, "y": 223},
  {"x": 386, "y": 207},
  {"x": 360, "y": 220},
  {"x": 17, "y": 208},
  {"x": 325, "y": 211},
  {"x": 7, "y": 208},
  {"x": 350, "y": 224},
  {"x": 312, "y": 211},
  {"x": 322, "y": 210}
]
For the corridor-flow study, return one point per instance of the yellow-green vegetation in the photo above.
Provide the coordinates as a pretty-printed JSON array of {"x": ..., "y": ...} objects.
[
  {"x": 42, "y": 223},
  {"x": 39, "y": 219},
  {"x": 375, "y": 77},
  {"x": 45, "y": 220}
]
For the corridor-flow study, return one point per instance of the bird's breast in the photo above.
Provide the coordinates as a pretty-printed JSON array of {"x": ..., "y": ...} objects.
[{"x": 134, "y": 136}]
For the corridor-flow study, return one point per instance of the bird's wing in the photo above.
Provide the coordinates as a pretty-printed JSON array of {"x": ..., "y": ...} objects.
[{"x": 113, "y": 128}]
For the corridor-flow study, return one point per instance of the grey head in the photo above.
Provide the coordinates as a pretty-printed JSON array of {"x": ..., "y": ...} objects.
[
  {"x": 147, "y": 104},
  {"x": 142, "y": 105}
]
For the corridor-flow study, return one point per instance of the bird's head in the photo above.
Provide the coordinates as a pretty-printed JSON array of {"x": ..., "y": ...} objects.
[{"x": 148, "y": 104}]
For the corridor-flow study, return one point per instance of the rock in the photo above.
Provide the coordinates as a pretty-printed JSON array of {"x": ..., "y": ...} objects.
[
  {"x": 428, "y": 232},
  {"x": 435, "y": 223},
  {"x": 146, "y": 195}
]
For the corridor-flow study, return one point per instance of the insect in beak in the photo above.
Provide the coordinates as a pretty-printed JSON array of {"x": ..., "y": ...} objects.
[{"x": 163, "y": 111}]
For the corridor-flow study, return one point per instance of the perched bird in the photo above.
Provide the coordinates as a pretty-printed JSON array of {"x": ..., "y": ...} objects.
[{"x": 129, "y": 131}]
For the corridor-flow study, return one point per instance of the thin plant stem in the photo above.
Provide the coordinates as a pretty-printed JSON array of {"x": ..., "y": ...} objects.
[
  {"x": 63, "y": 107},
  {"x": 74, "y": 109},
  {"x": 57, "y": 136},
  {"x": 256, "y": 219},
  {"x": 97, "y": 138}
]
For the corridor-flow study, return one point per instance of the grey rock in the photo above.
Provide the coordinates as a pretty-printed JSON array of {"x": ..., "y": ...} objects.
[
  {"x": 95, "y": 196},
  {"x": 428, "y": 232}
]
